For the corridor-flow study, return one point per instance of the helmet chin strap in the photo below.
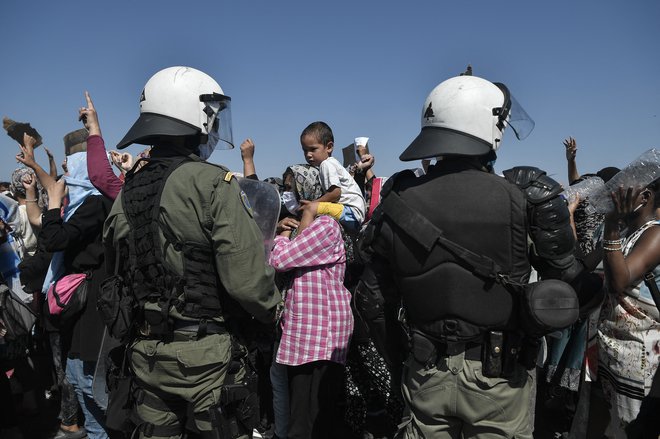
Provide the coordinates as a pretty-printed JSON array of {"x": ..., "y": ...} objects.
[{"x": 206, "y": 149}]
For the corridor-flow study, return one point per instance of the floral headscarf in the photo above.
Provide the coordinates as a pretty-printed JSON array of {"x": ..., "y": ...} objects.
[
  {"x": 307, "y": 184},
  {"x": 18, "y": 189}
]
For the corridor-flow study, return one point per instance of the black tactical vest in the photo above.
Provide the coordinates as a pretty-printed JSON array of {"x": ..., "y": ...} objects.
[
  {"x": 151, "y": 279},
  {"x": 480, "y": 212}
]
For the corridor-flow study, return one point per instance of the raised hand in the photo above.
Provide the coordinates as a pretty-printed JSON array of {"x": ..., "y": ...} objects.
[
  {"x": 89, "y": 117},
  {"x": 571, "y": 148},
  {"x": 26, "y": 156}
]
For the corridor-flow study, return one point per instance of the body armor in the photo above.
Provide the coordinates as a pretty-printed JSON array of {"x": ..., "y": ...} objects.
[
  {"x": 443, "y": 294},
  {"x": 196, "y": 293}
]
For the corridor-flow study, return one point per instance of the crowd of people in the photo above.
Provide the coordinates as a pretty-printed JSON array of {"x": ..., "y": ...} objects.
[{"x": 142, "y": 300}]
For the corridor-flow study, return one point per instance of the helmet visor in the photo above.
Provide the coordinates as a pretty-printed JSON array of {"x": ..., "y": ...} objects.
[
  {"x": 513, "y": 114},
  {"x": 519, "y": 120},
  {"x": 217, "y": 110}
]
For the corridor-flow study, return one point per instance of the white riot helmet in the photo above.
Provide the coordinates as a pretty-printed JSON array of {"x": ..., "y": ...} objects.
[
  {"x": 182, "y": 102},
  {"x": 466, "y": 115}
]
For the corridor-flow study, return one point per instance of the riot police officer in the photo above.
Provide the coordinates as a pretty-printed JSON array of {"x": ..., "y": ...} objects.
[
  {"x": 191, "y": 259},
  {"x": 449, "y": 257}
]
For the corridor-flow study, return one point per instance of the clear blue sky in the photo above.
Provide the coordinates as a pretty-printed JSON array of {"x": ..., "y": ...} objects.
[{"x": 587, "y": 69}]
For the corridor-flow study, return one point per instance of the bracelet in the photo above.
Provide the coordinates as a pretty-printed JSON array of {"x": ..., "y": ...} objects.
[
  {"x": 613, "y": 242},
  {"x": 31, "y": 201},
  {"x": 612, "y": 249}
]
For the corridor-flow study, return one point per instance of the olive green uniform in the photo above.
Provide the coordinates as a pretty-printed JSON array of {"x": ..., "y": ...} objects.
[{"x": 200, "y": 203}]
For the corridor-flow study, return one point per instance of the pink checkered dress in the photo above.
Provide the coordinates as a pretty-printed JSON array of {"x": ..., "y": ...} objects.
[{"x": 317, "y": 322}]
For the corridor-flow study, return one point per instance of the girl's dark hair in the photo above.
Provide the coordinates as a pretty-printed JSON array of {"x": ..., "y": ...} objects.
[{"x": 320, "y": 130}]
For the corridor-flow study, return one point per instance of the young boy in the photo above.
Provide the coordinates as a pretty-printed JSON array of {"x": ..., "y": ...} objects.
[{"x": 342, "y": 198}]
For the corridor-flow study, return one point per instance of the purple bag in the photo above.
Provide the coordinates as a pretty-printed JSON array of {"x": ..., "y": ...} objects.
[{"x": 68, "y": 296}]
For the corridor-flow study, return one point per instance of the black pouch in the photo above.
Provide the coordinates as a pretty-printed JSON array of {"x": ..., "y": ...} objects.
[
  {"x": 548, "y": 306},
  {"x": 237, "y": 412},
  {"x": 117, "y": 308},
  {"x": 423, "y": 349},
  {"x": 492, "y": 354},
  {"x": 121, "y": 399}
]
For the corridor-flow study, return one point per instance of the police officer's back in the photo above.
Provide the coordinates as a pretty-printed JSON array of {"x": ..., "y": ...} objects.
[
  {"x": 190, "y": 254},
  {"x": 451, "y": 250}
]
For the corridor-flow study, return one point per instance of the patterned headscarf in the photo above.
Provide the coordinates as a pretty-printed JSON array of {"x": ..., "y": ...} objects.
[
  {"x": 307, "y": 184},
  {"x": 18, "y": 189}
]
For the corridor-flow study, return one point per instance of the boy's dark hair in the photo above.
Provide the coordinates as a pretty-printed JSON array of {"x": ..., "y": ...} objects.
[{"x": 320, "y": 130}]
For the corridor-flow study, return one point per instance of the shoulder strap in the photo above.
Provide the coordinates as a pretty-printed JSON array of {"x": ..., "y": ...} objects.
[
  {"x": 427, "y": 234},
  {"x": 156, "y": 211}
]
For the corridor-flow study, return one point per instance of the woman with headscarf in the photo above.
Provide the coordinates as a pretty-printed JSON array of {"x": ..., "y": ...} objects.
[
  {"x": 317, "y": 322},
  {"x": 74, "y": 235}
]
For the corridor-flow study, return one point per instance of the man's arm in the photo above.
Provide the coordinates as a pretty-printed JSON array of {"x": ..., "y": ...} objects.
[
  {"x": 571, "y": 153},
  {"x": 239, "y": 252}
]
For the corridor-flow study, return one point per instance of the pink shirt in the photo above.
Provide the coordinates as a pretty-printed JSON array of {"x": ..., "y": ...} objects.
[{"x": 317, "y": 322}]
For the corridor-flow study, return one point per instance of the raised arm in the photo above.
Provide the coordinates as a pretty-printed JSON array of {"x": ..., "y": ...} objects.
[
  {"x": 27, "y": 158},
  {"x": 571, "y": 153},
  {"x": 32, "y": 200},
  {"x": 621, "y": 272},
  {"x": 98, "y": 167},
  {"x": 247, "y": 155},
  {"x": 51, "y": 163}
]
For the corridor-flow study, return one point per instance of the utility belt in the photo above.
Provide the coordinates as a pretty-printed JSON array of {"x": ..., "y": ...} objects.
[
  {"x": 181, "y": 330},
  {"x": 499, "y": 352}
]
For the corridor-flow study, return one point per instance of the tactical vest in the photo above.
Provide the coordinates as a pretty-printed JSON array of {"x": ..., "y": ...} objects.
[
  {"x": 151, "y": 279},
  {"x": 481, "y": 212}
]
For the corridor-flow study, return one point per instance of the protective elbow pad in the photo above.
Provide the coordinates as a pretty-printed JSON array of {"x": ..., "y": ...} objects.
[
  {"x": 550, "y": 229},
  {"x": 549, "y": 219},
  {"x": 534, "y": 183}
]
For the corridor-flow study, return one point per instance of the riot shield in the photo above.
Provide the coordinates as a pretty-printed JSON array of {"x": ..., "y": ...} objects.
[
  {"x": 99, "y": 389},
  {"x": 263, "y": 200}
]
